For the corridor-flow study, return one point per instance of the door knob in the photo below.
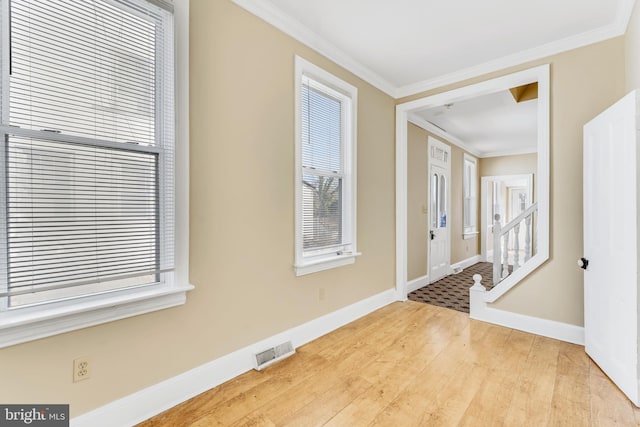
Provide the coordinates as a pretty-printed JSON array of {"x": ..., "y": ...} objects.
[
  {"x": 583, "y": 263},
  {"x": 432, "y": 234}
]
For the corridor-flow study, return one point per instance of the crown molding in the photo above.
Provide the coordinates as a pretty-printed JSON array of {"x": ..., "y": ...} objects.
[
  {"x": 431, "y": 128},
  {"x": 546, "y": 50},
  {"x": 269, "y": 13},
  {"x": 513, "y": 152},
  {"x": 623, "y": 16}
]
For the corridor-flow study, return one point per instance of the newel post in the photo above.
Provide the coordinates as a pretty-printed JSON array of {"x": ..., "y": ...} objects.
[{"x": 476, "y": 297}]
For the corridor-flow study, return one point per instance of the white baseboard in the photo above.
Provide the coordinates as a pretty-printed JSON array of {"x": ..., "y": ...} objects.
[
  {"x": 467, "y": 262},
  {"x": 424, "y": 280},
  {"x": 480, "y": 310},
  {"x": 418, "y": 283},
  {"x": 146, "y": 403}
]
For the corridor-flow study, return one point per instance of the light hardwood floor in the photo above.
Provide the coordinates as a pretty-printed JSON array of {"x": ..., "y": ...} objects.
[{"x": 413, "y": 364}]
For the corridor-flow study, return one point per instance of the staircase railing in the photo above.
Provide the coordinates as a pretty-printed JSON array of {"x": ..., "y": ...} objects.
[{"x": 502, "y": 248}]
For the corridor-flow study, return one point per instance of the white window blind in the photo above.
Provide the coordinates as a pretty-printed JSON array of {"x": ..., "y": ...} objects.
[
  {"x": 322, "y": 164},
  {"x": 87, "y": 203},
  {"x": 325, "y": 174}
]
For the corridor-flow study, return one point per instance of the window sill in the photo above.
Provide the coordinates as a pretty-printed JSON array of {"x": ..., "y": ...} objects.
[
  {"x": 470, "y": 235},
  {"x": 327, "y": 263},
  {"x": 19, "y": 326}
]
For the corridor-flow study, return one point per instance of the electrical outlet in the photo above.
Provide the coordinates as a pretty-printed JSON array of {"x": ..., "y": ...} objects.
[{"x": 81, "y": 369}]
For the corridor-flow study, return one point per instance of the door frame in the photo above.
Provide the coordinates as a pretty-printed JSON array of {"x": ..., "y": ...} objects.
[
  {"x": 484, "y": 205},
  {"x": 538, "y": 74},
  {"x": 434, "y": 142}
]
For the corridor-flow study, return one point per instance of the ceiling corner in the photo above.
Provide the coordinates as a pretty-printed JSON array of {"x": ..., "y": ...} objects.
[
  {"x": 269, "y": 13},
  {"x": 623, "y": 16}
]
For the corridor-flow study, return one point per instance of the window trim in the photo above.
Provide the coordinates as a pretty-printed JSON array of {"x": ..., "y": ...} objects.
[
  {"x": 470, "y": 232},
  {"x": 311, "y": 264},
  {"x": 30, "y": 323}
]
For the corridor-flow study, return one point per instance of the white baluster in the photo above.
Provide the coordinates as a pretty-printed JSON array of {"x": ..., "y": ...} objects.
[
  {"x": 505, "y": 256},
  {"x": 516, "y": 247},
  {"x": 527, "y": 238},
  {"x": 477, "y": 283},
  {"x": 497, "y": 228}
]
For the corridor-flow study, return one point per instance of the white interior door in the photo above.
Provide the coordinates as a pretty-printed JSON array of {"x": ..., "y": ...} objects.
[
  {"x": 610, "y": 244},
  {"x": 439, "y": 228}
]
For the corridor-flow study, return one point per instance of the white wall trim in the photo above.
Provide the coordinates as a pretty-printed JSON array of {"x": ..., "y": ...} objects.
[
  {"x": 52, "y": 321},
  {"x": 401, "y": 204},
  {"x": 512, "y": 152},
  {"x": 292, "y": 27},
  {"x": 418, "y": 283},
  {"x": 403, "y": 111},
  {"x": 423, "y": 281},
  {"x": 467, "y": 262},
  {"x": 146, "y": 403},
  {"x": 430, "y": 127},
  {"x": 480, "y": 310}
]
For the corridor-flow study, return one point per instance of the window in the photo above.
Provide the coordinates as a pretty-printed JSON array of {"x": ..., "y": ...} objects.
[
  {"x": 325, "y": 170},
  {"x": 87, "y": 213},
  {"x": 470, "y": 202}
]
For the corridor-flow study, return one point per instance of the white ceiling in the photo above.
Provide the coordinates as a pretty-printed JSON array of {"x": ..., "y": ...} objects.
[
  {"x": 489, "y": 125},
  {"x": 405, "y": 47}
]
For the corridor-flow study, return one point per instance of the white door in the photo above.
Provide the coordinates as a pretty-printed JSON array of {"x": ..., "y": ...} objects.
[
  {"x": 439, "y": 189},
  {"x": 610, "y": 244}
]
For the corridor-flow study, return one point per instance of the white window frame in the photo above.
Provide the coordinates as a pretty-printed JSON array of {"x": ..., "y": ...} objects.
[
  {"x": 469, "y": 192},
  {"x": 25, "y": 324},
  {"x": 310, "y": 262}
]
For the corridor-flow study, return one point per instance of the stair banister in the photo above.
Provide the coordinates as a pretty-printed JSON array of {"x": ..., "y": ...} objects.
[{"x": 501, "y": 235}]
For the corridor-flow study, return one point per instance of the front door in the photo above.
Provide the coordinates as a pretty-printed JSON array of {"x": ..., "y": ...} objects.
[
  {"x": 439, "y": 221},
  {"x": 610, "y": 244}
]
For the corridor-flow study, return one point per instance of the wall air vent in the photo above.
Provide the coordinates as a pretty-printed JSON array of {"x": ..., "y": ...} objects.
[{"x": 272, "y": 355}]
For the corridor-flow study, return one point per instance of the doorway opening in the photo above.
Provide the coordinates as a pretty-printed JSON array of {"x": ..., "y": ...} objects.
[
  {"x": 405, "y": 113},
  {"x": 506, "y": 196}
]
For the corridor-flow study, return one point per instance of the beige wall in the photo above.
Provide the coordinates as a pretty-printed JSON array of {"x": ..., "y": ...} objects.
[
  {"x": 418, "y": 197},
  {"x": 583, "y": 83},
  {"x": 509, "y": 165},
  {"x": 632, "y": 50},
  {"x": 242, "y": 225},
  {"x": 417, "y": 202}
]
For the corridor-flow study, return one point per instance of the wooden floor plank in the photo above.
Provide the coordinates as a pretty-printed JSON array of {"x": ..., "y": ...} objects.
[
  {"x": 536, "y": 382},
  {"x": 571, "y": 402},
  {"x": 412, "y": 364},
  {"x": 393, "y": 371},
  {"x": 604, "y": 411}
]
